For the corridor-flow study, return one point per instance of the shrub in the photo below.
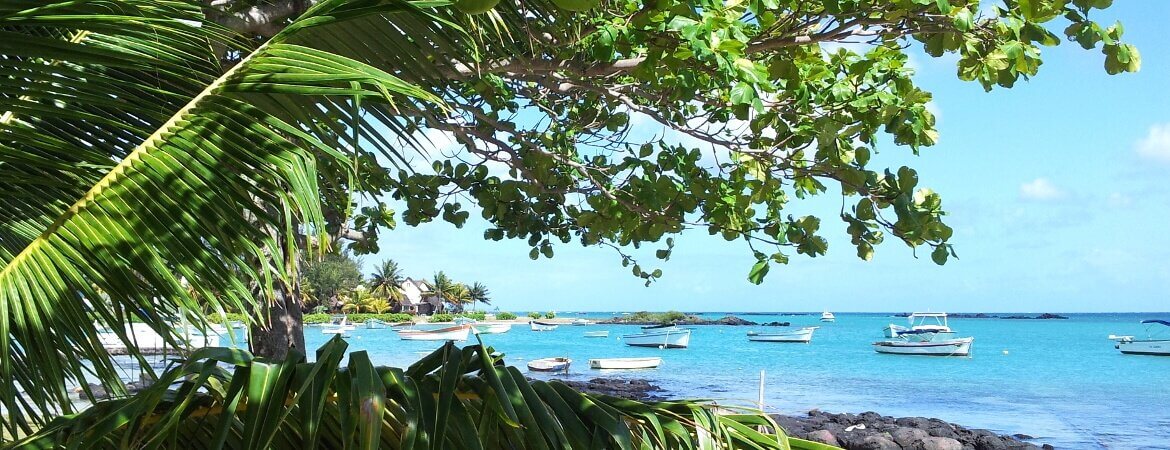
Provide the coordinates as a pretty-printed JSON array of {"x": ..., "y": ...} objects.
[
  {"x": 442, "y": 318},
  {"x": 535, "y": 315},
  {"x": 311, "y": 319},
  {"x": 231, "y": 317},
  {"x": 505, "y": 316},
  {"x": 392, "y": 318},
  {"x": 550, "y": 315},
  {"x": 473, "y": 315}
]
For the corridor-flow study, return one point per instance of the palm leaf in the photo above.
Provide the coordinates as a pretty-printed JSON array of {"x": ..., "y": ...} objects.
[
  {"x": 455, "y": 398},
  {"x": 132, "y": 167}
]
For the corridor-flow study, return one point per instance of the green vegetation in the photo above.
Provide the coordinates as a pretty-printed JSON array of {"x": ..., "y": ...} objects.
[
  {"x": 231, "y": 317},
  {"x": 535, "y": 315},
  {"x": 232, "y": 157},
  {"x": 313, "y": 319},
  {"x": 473, "y": 315},
  {"x": 441, "y": 318},
  {"x": 310, "y": 319},
  {"x": 505, "y": 316},
  {"x": 550, "y": 315},
  {"x": 655, "y": 317}
]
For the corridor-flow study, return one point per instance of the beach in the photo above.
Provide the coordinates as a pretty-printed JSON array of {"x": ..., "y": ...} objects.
[{"x": 1060, "y": 381}]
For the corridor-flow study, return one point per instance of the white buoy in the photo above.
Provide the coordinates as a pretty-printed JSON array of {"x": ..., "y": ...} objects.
[{"x": 1005, "y": 352}]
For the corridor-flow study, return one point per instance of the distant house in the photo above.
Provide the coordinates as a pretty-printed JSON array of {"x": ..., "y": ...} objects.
[{"x": 417, "y": 298}]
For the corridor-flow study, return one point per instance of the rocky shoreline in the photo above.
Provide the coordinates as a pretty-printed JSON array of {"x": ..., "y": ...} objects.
[
  {"x": 693, "y": 320},
  {"x": 1045, "y": 316},
  {"x": 865, "y": 431}
]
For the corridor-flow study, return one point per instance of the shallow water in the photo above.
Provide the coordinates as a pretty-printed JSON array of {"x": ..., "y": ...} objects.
[{"x": 1059, "y": 380}]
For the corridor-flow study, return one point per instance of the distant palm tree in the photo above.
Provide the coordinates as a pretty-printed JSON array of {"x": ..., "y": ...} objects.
[
  {"x": 386, "y": 281},
  {"x": 479, "y": 293},
  {"x": 444, "y": 288}
]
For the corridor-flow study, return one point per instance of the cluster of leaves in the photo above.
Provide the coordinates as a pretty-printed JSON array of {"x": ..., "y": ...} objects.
[
  {"x": 442, "y": 318},
  {"x": 655, "y": 317},
  {"x": 548, "y": 156},
  {"x": 453, "y": 398},
  {"x": 475, "y": 315},
  {"x": 505, "y": 316},
  {"x": 227, "y": 318},
  {"x": 535, "y": 315}
]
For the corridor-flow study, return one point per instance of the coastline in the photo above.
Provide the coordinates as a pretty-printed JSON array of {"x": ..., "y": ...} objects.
[{"x": 863, "y": 431}]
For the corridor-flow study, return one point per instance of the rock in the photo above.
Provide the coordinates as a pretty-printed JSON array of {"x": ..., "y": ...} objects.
[
  {"x": 942, "y": 431},
  {"x": 635, "y": 389},
  {"x": 1048, "y": 447},
  {"x": 824, "y": 437},
  {"x": 905, "y": 436},
  {"x": 936, "y": 443},
  {"x": 921, "y": 423},
  {"x": 728, "y": 320},
  {"x": 777, "y": 324},
  {"x": 990, "y": 442},
  {"x": 873, "y": 442},
  {"x": 1022, "y": 436}
]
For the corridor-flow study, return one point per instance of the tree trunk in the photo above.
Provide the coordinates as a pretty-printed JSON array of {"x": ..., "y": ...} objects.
[{"x": 285, "y": 329}]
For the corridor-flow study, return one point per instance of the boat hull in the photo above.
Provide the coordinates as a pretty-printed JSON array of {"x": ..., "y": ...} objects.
[
  {"x": 950, "y": 347},
  {"x": 675, "y": 338},
  {"x": 495, "y": 328},
  {"x": 458, "y": 333},
  {"x": 597, "y": 334},
  {"x": 1150, "y": 347},
  {"x": 625, "y": 363},
  {"x": 550, "y": 365},
  {"x": 535, "y": 326},
  {"x": 803, "y": 335}
]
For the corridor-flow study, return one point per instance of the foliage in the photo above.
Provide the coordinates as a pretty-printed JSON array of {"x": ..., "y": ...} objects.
[
  {"x": 477, "y": 315},
  {"x": 441, "y": 318},
  {"x": 334, "y": 275},
  {"x": 550, "y": 315},
  {"x": 505, "y": 316},
  {"x": 535, "y": 315},
  {"x": 478, "y": 292},
  {"x": 231, "y": 317},
  {"x": 453, "y": 398},
  {"x": 310, "y": 319},
  {"x": 655, "y": 317},
  {"x": 386, "y": 281},
  {"x": 313, "y": 319}
]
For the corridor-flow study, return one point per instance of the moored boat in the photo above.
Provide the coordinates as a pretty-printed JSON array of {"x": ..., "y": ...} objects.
[
  {"x": 375, "y": 324},
  {"x": 924, "y": 327},
  {"x": 597, "y": 334},
  {"x": 663, "y": 338},
  {"x": 1153, "y": 345},
  {"x": 542, "y": 326},
  {"x": 559, "y": 364},
  {"x": 828, "y": 317},
  {"x": 455, "y": 333},
  {"x": 491, "y": 328},
  {"x": 335, "y": 330},
  {"x": 803, "y": 334},
  {"x": 625, "y": 363},
  {"x": 581, "y": 322},
  {"x": 944, "y": 347}
]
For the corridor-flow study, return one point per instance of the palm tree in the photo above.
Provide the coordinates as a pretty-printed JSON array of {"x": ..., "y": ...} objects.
[
  {"x": 444, "y": 288},
  {"x": 479, "y": 293},
  {"x": 386, "y": 281}
]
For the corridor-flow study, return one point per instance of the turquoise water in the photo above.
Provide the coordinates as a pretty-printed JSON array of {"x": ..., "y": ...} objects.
[{"x": 1059, "y": 380}]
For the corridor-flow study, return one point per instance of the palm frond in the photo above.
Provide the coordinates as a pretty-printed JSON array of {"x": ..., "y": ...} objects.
[
  {"x": 132, "y": 166},
  {"x": 454, "y": 398}
]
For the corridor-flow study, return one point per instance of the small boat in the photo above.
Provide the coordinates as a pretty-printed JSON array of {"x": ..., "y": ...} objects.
[
  {"x": 463, "y": 320},
  {"x": 1152, "y": 345},
  {"x": 804, "y": 335},
  {"x": 581, "y": 322},
  {"x": 664, "y": 338},
  {"x": 541, "y": 326},
  {"x": 828, "y": 317},
  {"x": 559, "y": 364},
  {"x": 491, "y": 328},
  {"x": 945, "y": 347},
  {"x": 455, "y": 333},
  {"x": 341, "y": 322},
  {"x": 625, "y": 363},
  {"x": 924, "y": 327},
  {"x": 659, "y": 326},
  {"x": 375, "y": 324},
  {"x": 335, "y": 330},
  {"x": 597, "y": 334}
]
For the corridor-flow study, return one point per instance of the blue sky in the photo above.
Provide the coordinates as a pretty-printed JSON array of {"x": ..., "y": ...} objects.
[{"x": 1057, "y": 190}]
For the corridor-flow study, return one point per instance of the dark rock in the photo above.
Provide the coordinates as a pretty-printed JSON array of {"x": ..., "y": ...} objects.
[
  {"x": 913, "y": 422},
  {"x": 824, "y": 437},
  {"x": 777, "y": 324},
  {"x": 635, "y": 389},
  {"x": 936, "y": 443},
  {"x": 1022, "y": 436},
  {"x": 942, "y": 431},
  {"x": 905, "y": 436},
  {"x": 990, "y": 442},
  {"x": 873, "y": 442},
  {"x": 1045, "y": 316},
  {"x": 1048, "y": 447}
]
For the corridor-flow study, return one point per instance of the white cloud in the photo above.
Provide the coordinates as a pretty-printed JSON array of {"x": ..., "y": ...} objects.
[
  {"x": 1156, "y": 145},
  {"x": 1040, "y": 189}
]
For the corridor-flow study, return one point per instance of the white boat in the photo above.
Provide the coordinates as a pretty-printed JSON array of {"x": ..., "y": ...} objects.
[
  {"x": 1152, "y": 345},
  {"x": 455, "y": 333},
  {"x": 625, "y": 363},
  {"x": 804, "y": 334},
  {"x": 560, "y": 364},
  {"x": 541, "y": 326},
  {"x": 343, "y": 323},
  {"x": 463, "y": 320},
  {"x": 945, "y": 347},
  {"x": 597, "y": 334},
  {"x": 335, "y": 330},
  {"x": 581, "y": 322},
  {"x": 491, "y": 328},
  {"x": 375, "y": 324},
  {"x": 828, "y": 317},
  {"x": 924, "y": 327},
  {"x": 660, "y": 338}
]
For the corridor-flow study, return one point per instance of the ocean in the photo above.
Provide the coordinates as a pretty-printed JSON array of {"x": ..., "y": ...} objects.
[{"x": 1060, "y": 381}]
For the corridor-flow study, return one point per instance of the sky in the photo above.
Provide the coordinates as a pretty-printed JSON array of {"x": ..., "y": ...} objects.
[{"x": 1057, "y": 191}]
